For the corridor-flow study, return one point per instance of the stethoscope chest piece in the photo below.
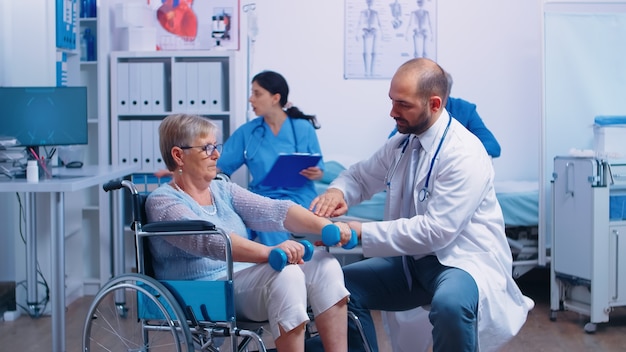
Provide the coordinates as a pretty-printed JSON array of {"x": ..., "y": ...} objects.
[{"x": 423, "y": 194}]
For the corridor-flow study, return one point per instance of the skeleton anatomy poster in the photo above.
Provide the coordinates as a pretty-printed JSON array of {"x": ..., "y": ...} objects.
[{"x": 380, "y": 35}]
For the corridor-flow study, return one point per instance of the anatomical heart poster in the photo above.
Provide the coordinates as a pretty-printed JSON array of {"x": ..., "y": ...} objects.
[{"x": 197, "y": 24}]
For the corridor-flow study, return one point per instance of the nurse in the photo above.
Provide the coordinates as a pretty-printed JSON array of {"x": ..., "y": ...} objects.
[{"x": 278, "y": 128}]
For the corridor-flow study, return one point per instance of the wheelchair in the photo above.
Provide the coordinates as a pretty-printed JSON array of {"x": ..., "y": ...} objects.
[{"x": 135, "y": 312}]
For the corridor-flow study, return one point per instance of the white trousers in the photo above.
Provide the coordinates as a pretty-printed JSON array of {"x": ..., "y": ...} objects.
[{"x": 282, "y": 297}]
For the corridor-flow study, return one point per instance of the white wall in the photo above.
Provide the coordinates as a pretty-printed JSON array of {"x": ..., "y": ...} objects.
[
  {"x": 492, "y": 48},
  {"x": 24, "y": 61}
]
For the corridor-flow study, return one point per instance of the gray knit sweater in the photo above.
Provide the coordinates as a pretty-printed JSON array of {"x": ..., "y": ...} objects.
[{"x": 201, "y": 256}]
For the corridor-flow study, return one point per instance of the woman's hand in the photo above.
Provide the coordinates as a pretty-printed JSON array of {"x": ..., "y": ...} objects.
[
  {"x": 313, "y": 173},
  {"x": 357, "y": 227},
  {"x": 294, "y": 251},
  {"x": 345, "y": 232}
]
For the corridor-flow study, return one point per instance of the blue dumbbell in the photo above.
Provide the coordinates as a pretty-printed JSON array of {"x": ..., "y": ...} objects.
[
  {"x": 278, "y": 257},
  {"x": 331, "y": 236}
]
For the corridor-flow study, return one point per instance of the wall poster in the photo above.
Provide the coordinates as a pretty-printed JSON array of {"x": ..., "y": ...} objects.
[
  {"x": 197, "y": 24},
  {"x": 380, "y": 35}
]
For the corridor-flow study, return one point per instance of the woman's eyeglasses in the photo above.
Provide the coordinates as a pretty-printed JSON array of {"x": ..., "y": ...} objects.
[{"x": 208, "y": 149}]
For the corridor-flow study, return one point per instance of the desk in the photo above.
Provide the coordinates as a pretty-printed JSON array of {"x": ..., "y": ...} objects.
[{"x": 69, "y": 180}]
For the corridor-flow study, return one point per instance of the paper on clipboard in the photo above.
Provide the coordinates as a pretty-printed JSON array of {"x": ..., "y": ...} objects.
[{"x": 286, "y": 170}]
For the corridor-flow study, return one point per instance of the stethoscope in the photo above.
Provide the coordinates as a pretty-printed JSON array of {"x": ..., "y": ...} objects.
[
  {"x": 424, "y": 193},
  {"x": 263, "y": 129}
]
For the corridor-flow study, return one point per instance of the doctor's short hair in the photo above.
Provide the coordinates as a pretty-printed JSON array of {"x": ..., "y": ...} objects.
[
  {"x": 450, "y": 81},
  {"x": 180, "y": 130},
  {"x": 430, "y": 77}
]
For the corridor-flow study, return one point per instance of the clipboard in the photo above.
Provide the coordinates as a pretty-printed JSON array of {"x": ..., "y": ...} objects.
[{"x": 286, "y": 170}]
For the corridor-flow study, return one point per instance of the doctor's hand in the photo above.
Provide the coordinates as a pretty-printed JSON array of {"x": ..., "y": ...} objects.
[
  {"x": 313, "y": 173},
  {"x": 329, "y": 204}
]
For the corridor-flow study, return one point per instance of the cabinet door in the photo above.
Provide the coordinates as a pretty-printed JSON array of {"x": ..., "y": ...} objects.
[{"x": 573, "y": 217}]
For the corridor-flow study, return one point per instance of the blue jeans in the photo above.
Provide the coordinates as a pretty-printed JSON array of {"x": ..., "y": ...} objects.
[{"x": 381, "y": 284}]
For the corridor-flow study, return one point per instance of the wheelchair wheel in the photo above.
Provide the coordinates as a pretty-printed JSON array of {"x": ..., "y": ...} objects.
[{"x": 152, "y": 321}]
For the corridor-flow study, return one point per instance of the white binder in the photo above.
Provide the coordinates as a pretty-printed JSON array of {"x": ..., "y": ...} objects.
[
  {"x": 135, "y": 142},
  {"x": 204, "y": 93},
  {"x": 179, "y": 87},
  {"x": 123, "y": 142},
  {"x": 192, "y": 86},
  {"x": 147, "y": 147},
  {"x": 158, "y": 87},
  {"x": 156, "y": 151},
  {"x": 215, "y": 83},
  {"x": 145, "y": 93},
  {"x": 134, "y": 88},
  {"x": 121, "y": 96}
]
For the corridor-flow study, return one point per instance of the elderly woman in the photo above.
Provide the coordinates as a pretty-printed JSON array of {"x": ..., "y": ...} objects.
[{"x": 188, "y": 145}]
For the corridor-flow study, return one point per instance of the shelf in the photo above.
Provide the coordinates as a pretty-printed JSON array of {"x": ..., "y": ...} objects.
[
  {"x": 87, "y": 19},
  {"x": 89, "y": 63},
  {"x": 148, "y": 86},
  {"x": 161, "y": 115}
]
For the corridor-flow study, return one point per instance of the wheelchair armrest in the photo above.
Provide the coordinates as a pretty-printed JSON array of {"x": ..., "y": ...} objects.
[{"x": 179, "y": 225}]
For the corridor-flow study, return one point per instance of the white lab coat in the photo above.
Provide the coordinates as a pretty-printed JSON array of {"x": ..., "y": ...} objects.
[{"x": 461, "y": 222}]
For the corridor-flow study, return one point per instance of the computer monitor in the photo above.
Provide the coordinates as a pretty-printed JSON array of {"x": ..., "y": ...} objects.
[{"x": 44, "y": 116}]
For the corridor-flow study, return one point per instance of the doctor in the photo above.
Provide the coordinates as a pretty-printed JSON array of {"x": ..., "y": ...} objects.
[{"x": 443, "y": 242}]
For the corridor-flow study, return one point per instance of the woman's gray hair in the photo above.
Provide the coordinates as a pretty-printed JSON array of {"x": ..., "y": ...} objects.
[{"x": 180, "y": 130}]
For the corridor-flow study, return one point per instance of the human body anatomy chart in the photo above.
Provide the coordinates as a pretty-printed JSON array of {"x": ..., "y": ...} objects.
[{"x": 380, "y": 35}]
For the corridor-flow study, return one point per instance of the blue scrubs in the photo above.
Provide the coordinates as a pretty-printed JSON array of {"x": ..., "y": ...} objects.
[{"x": 254, "y": 145}]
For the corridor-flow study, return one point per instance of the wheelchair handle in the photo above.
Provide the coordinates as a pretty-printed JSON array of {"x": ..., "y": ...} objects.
[
  {"x": 119, "y": 184},
  {"x": 278, "y": 257},
  {"x": 331, "y": 236},
  {"x": 112, "y": 185}
]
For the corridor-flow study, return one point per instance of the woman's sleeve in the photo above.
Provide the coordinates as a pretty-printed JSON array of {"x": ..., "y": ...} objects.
[
  {"x": 164, "y": 207},
  {"x": 258, "y": 212}
]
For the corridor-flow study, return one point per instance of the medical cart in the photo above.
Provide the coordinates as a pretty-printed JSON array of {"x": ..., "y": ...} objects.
[{"x": 589, "y": 238}]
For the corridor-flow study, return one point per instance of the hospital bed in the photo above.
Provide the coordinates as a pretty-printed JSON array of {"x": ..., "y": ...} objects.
[{"x": 520, "y": 206}]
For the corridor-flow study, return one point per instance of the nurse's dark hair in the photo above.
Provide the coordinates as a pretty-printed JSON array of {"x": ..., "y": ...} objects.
[{"x": 275, "y": 83}]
